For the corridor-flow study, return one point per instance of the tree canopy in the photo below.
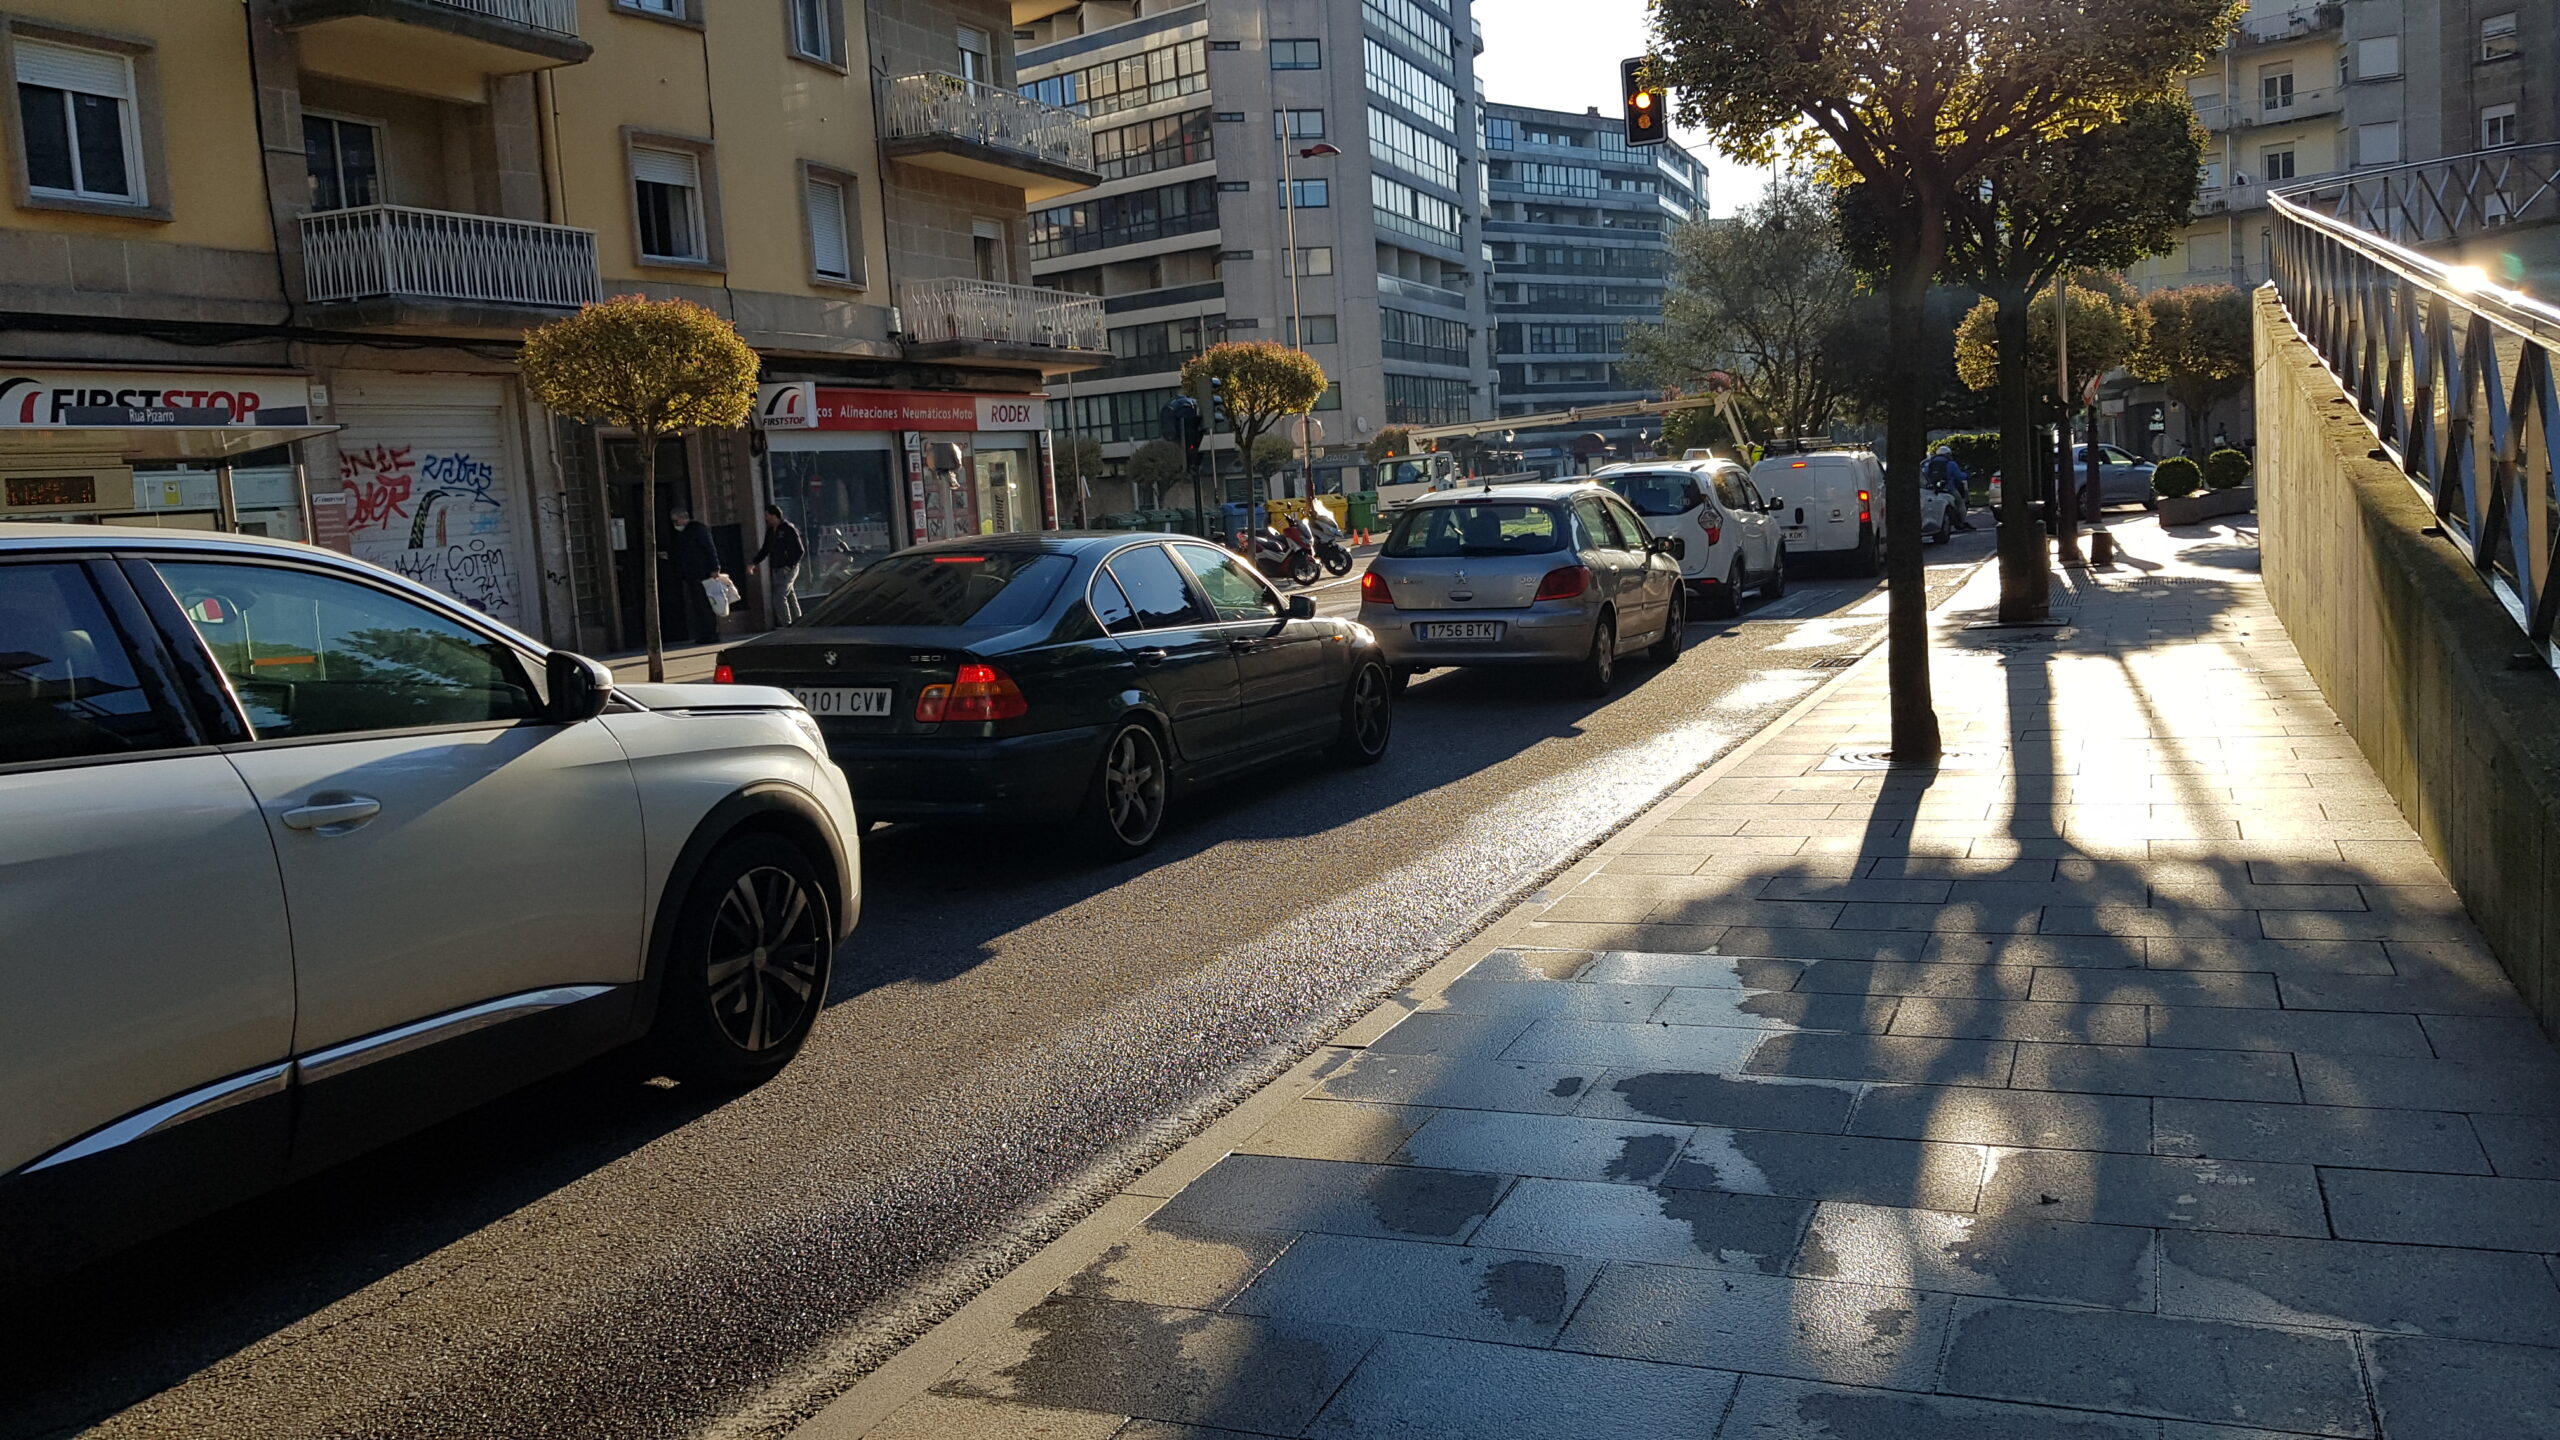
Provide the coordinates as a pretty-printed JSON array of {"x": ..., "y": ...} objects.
[
  {"x": 2106, "y": 329},
  {"x": 1264, "y": 380},
  {"x": 1761, "y": 297},
  {"x": 2198, "y": 349},
  {"x": 655, "y": 367}
]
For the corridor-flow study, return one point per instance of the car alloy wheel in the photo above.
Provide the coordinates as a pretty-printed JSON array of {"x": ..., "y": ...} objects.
[
  {"x": 1776, "y": 584},
  {"x": 1725, "y": 601},
  {"x": 1368, "y": 716},
  {"x": 767, "y": 957},
  {"x": 1126, "y": 808},
  {"x": 1674, "y": 630},
  {"x": 1600, "y": 667}
]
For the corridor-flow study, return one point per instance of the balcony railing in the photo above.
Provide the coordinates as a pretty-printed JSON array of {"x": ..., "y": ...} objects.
[
  {"x": 557, "y": 16},
  {"x": 936, "y": 106},
  {"x": 974, "y": 312},
  {"x": 394, "y": 252}
]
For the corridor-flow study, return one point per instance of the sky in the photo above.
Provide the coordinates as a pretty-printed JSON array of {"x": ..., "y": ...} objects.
[{"x": 1564, "y": 54}]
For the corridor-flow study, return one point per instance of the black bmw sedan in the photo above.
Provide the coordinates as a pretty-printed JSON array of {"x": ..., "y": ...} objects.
[{"x": 1085, "y": 677}]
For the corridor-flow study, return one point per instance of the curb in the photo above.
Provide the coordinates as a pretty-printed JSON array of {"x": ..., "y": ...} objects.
[{"x": 911, "y": 1373}]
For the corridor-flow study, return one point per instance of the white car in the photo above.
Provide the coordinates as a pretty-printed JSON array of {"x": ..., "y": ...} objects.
[
  {"x": 1830, "y": 504},
  {"x": 1731, "y": 542},
  {"x": 296, "y": 856}
]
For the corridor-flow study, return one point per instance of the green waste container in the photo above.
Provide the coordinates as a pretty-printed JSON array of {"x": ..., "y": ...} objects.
[{"x": 1364, "y": 511}]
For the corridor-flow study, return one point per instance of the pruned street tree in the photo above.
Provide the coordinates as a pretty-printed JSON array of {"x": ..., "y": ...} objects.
[
  {"x": 2198, "y": 350},
  {"x": 1916, "y": 99},
  {"x": 1760, "y": 297},
  {"x": 1263, "y": 382},
  {"x": 1080, "y": 463},
  {"x": 1154, "y": 466},
  {"x": 653, "y": 367}
]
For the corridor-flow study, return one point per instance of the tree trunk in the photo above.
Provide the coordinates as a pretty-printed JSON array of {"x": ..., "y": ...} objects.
[
  {"x": 653, "y": 634},
  {"x": 2021, "y": 537},
  {"x": 1915, "y": 718}
]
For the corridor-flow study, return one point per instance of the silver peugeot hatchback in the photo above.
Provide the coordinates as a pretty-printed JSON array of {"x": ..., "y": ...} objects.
[{"x": 1551, "y": 574}]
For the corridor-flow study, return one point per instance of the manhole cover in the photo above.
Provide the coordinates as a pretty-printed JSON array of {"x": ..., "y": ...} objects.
[{"x": 1884, "y": 760}]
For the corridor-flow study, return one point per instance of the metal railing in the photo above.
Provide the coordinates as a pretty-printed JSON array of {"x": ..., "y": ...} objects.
[
  {"x": 2455, "y": 374},
  {"x": 557, "y": 16},
  {"x": 2430, "y": 201},
  {"x": 944, "y": 311},
  {"x": 395, "y": 252},
  {"x": 916, "y": 107}
]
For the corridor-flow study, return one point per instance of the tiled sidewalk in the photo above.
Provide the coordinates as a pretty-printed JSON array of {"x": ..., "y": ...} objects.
[{"x": 2146, "y": 1081}]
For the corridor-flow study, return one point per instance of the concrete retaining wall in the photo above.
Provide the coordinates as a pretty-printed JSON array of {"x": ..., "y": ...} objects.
[{"x": 2413, "y": 653}]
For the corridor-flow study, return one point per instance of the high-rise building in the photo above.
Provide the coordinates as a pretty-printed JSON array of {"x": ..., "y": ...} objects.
[
  {"x": 1202, "y": 113},
  {"x": 1579, "y": 225}
]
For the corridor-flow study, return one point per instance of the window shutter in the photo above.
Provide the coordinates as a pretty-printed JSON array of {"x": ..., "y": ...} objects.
[
  {"x": 91, "y": 72},
  {"x": 667, "y": 167},
  {"x": 830, "y": 249}
]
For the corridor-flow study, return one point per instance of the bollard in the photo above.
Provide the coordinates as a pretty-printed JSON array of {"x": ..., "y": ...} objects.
[{"x": 2102, "y": 547}]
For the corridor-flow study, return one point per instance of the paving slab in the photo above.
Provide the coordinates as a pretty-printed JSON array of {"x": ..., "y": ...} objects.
[
  {"x": 2344, "y": 1284},
  {"x": 1864, "y": 1168},
  {"x": 1712, "y": 972},
  {"x": 2022, "y": 1020},
  {"x": 945, "y": 1417},
  {"x": 2199, "y": 1370},
  {"x": 1270, "y": 1192},
  {"x": 2318, "y": 1134},
  {"x": 1909, "y": 1059},
  {"x": 2014, "y": 1257},
  {"x": 2298, "y": 1031},
  {"x": 2394, "y": 1083},
  {"x": 2490, "y": 1212},
  {"x": 2163, "y": 1191},
  {"x": 1767, "y": 1408},
  {"x": 2429, "y": 1389},
  {"x": 1570, "y": 999},
  {"x": 1628, "y": 1046},
  {"x": 1762, "y": 1010},
  {"x": 1562, "y": 1147},
  {"x": 2032, "y": 1119},
  {"x": 1177, "y": 1265},
  {"x": 2525, "y": 1146},
  {"x": 1704, "y": 1228},
  {"x": 1458, "y": 1083},
  {"x": 1463, "y": 1291},
  {"x": 1763, "y": 1324},
  {"x": 2154, "y": 987},
  {"x": 1337, "y": 1130},
  {"x": 1424, "y": 1388},
  {"x": 2156, "y": 1070}
]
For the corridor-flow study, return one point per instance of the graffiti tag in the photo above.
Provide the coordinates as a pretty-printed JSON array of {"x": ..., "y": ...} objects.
[{"x": 379, "y": 478}]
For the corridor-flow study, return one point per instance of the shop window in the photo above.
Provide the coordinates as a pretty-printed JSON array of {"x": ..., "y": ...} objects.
[
  {"x": 835, "y": 231},
  {"x": 817, "y": 30},
  {"x": 675, "y": 214},
  {"x": 68, "y": 688},
  {"x": 1297, "y": 54},
  {"x": 344, "y": 158},
  {"x": 2497, "y": 126},
  {"x": 80, "y": 135}
]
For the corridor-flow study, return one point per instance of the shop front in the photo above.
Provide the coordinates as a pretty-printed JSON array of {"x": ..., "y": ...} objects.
[
  {"x": 209, "y": 450},
  {"x": 865, "y": 472}
]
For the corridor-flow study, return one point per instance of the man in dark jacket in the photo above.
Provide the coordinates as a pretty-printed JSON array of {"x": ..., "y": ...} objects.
[
  {"x": 783, "y": 550},
  {"x": 694, "y": 558}
]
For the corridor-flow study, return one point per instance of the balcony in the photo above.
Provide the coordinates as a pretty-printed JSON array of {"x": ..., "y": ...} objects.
[
  {"x": 2254, "y": 113},
  {"x": 393, "y": 265},
  {"x": 1021, "y": 327},
  {"x": 448, "y": 49},
  {"x": 963, "y": 127},
  {"x": 2289, "y": 25}
]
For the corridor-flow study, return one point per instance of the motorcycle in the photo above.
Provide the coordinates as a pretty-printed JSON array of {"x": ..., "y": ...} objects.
[
  {"x": 1323, "y": 537},
  {"x": 1281, "y": 556}
]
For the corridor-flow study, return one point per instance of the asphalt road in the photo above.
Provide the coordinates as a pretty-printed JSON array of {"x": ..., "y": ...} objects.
[{"x": 1013, "y": 1031}]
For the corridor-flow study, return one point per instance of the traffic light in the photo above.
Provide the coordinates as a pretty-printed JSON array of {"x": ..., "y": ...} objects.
[
  {"x": 1648, "y": 104},
  {"x": 1179, "y": 423},
  {"x": 1218, "y": 404}
]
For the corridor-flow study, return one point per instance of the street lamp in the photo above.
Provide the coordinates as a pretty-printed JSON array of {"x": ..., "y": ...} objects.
[{"x": 1289, "y": 214}]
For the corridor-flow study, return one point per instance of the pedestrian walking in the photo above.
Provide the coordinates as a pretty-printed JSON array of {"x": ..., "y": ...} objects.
[
  {"x": 694, "y": 558},
  {"x": 784, "y": 550}
]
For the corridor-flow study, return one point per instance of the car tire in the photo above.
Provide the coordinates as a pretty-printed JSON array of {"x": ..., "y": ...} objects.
[
  {"x": 1867, "y": 560},
  {"x": 1598, "y": 670},
  {"x": 1666, "y": 650},
  {"x": 746, "y": 967},
  {"x": 1368, "y": 715},
  {"x": 1776, "y": 584},
  {"x": 1402, "y": 676},
  {"x": 1725, "y": 601},
  {"x": 1124, "y": 807}
]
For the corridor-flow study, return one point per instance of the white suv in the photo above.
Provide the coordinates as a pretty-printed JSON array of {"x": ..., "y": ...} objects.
[
  {"x": 296, "y": 856},
  {"x": 1730, "y": 543}
]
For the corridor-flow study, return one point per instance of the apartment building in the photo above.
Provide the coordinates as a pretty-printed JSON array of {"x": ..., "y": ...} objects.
[
  {"x": 266, "y": 264},
  {"x": 1579, "y": 225},
  {"x": 2432, "y": 78},
  {"x": 1213, "y": 223}
]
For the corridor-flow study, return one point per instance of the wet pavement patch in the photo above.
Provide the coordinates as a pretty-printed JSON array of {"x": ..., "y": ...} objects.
[
  {"x": 1689, "y": 1098},
  {"x": 1163, "y": 1364},
  {"x": 1461, "y": 1291}
]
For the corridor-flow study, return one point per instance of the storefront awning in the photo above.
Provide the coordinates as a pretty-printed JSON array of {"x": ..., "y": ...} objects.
[
  {"x": 129, "y": 443},
  {"x": 129, "y": 415}
]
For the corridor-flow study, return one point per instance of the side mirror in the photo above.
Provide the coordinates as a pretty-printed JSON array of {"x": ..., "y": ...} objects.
[
  {"x": 1302, "y": 607},
  {"x": 580, "y": 688},
  {"x": 1672, "y": 545},
  {"x": 1773, "y": 504}
]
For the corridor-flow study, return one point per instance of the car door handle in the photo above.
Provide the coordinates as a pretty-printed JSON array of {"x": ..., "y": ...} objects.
[
  {"x": 334, "y": 815},
  {"x": 1153, "y": 656}
]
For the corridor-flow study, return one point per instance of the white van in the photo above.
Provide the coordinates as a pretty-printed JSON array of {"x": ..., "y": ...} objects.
[
  {"x": 1830, "y": 505},
  {"x": 1731, "y": 542}
]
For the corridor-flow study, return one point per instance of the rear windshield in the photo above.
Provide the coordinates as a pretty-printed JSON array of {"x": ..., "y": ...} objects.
[
  {"x": 988, "y": 587},
  {"x": 1487, "y": 527},
  {"x": 1655, "y": 494}
]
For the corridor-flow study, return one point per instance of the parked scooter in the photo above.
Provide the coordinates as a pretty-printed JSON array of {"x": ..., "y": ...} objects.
[
  {"x": 1280, "y": 556},
  {"x": 1322, "y": 536}
]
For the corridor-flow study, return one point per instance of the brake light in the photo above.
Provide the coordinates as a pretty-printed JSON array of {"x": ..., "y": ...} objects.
[
  {"x": 1373, "y": 589},
  {"x": 959, "y": 559},
  {"x": 1714, "y": 533},
  {"x": 723, "y": 675},
  {"x": 978, "y": 692},
  {"x": 1862, "y": 508},
  {"x": 1564, "y": 583}
]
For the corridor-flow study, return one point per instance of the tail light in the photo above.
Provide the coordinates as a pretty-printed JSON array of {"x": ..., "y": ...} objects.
[
  {"x": 978, "y": 692},
  {"x": 1564, "y": 583},
  {"x": 1714, "y": 533},
  {"x": 1373, "y": 589},
  {"x": 723, "y": 675},
  {"x": 1863, "y": 514}
]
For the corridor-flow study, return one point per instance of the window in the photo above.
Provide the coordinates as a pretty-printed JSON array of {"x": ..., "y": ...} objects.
[
  {"x": 1450, "y": 532},
  {"x": 1408, "y": 211},
  {"x": 1320, "y": 330},
  {"x": 1501, "y": 134},
  {"x": 76, "y": 114},
  {"x": 2497, "y": 126},
  {"x": 1331, "y": 399},
  {"x": 1297, "y": 55},
  {"x": 1426, "y": 400},
  {"x": 672, "y": 8},
  {"x": 1229, "y": 187},
  {"x": 1310, "y": 194},
  {"x": 1599, "y": 527},
  {"x": 1399, "y": 81},
  {"x": 1152, "y": 145},
  {"x": 667, "y": 187},
  {"x": 67, "y": 683},
  {"x": 2275, "y": 88},
  {"x": 1230, "y": 117},
  {"x": 1432, "y": 339},
  {"x": 1412, "y": 149},
  {"x": 1410, "y": 24},
  {"x": 2378, "y": 57},
  {"x": 986, "y": 248},
  {"x": 1575, "y": 339},
  {"x": 1298, "y": 124},
  {"x": 2276, "y": 164},
  {"x": 344, "y": 161},
  {"x": 2498, "y": 36},
  {"x": 1537, "y": 178},
  {"x": 814, "y": 27},
  {"x": 835, "y": 245},
  {"x": 1235, "y": 592},
  {"x": 2378, "y": 143},
  {"x": 1129, "y": 219},
  {"x": 998, "y": 588},
  {"x": 1158, "y": 595},
  {"x": 1164, "y": 73},
  {"x": 1312, "y": 260},
  {"x": 315, "y": 655},
  {"x": 977, "y": 56}
]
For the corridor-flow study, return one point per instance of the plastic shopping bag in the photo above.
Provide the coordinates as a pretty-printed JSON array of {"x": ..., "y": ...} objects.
[{"x": 721, "y": 593}]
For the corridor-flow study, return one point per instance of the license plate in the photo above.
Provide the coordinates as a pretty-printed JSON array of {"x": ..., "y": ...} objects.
[
  {"x": 1460, "y": 630},
  {"x": 844, "y": 701}
]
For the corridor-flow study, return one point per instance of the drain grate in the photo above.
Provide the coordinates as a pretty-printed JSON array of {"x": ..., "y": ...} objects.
[
  {"x": 1833, "y": 662},
  {"x": 1855, "y": 759}
]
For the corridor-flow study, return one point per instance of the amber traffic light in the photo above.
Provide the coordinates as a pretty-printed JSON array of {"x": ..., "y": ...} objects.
[{"x": 1648, "y": 104}]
